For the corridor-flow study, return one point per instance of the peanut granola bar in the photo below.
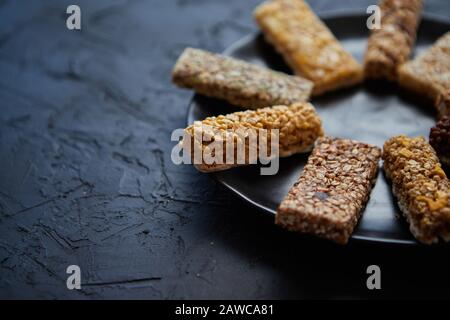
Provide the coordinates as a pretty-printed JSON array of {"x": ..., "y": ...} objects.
[
  {"x": 429, "y": 73},
  {"x": 332, "y": 191},
  {"x": 298, "y": 126},
  {"x": 421, "y": 187},
  {"x": 241, "y": 83},
  {"x": 307, "y": 45},
  {"x": 391, "y": 45}
]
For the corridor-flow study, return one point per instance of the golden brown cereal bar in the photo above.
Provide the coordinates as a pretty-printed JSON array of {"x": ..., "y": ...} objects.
[
  {"x": 307, "y": 45},
  {"x": 298, "y": 126},
  {"x": 241, "y": 83},
  {"x": 391, "y": 45},
  {"x": 429, "y": 73},
  {"x": 421, "y": 187},
  {"x": 332, "y": 191}
]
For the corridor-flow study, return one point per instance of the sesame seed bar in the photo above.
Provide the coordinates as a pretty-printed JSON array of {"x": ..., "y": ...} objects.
[
  {"x": 307, "y": 45},
  {"x": 391, "y": 45},
  {"x": 298, "y": 124},
  {"x": 429, "y": 73},
  {"x": 240, "y": 83},
  {"x": 421, "y": 187},
  {"x": 332, "y": 191}
]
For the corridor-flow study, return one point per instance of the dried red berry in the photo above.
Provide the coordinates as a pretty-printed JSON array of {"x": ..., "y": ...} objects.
[{"x": 440, "y": 139}]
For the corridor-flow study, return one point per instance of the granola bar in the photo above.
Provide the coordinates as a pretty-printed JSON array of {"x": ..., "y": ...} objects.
[
  {"x": 241, "y": 83},
  {"x": 421, "y": 187},
  {"x": 391, "y": 45},
  {"x": 429, "y": 73},
  {"x": 307, "y": 45},
  {"x": 332, "y": 191},
  {"x": 298, "y": 127}
]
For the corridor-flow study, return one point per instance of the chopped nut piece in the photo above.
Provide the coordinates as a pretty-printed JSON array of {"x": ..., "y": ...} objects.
[
  {"x": 421, "y": 188},
  {"x": 406, "y": 153},
  {"x": 428, "y": 74},
  {"x": 391, "y": 45},
  {"x": 241, "y": 83},
  {"x": 307, "y": 45},
  {"x": 330, "y": 203},
  {"x": 298, "y": 124},
  {"x": 439, "y": 202}
]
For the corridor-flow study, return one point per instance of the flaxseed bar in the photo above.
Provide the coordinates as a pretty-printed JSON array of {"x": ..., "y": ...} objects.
[
  {"x": 241, "y": 83},
  {"x": 298, "y": 124},
  {"x": 307, "y": 45},
  {"x": 332, "y": 191},
  {"x": 429, "y": 73},
  {"x": 391, "y": 45},
  {"x": 421, "y": 187}
]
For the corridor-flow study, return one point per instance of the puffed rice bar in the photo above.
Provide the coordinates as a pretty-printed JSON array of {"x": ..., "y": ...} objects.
[
  {"x": 332, "y": 191},
  {"x": 241, "y": 83},
  {"x": 307, "y": 45},
  {"x": 391, "y": 45},
  {"x": 298, "y": 124},
  {"x": 429, "y": 73},
  {"x": 421, "y": 187}
]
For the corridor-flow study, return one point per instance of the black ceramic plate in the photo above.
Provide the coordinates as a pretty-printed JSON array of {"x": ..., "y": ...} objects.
[{"x": 371, "y": 112}]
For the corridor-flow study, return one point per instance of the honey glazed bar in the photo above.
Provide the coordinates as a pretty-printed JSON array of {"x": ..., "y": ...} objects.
[
  {"x": 307, "y": 45},
  {"x": 241, "y": 83},
  {"x": 332, "y": 191}
]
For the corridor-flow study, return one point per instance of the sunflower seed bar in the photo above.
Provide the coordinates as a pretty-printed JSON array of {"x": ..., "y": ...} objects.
[
  {"x": 307, "y": 45},
  {"x": 421, "y": 187},
  {"x": 241, "y": 83},
  {"x": 332, "y": 190},
  {"x": 391, "y": 45},
  {"x": 298, "y": 124},
  {"x": 429, "y": 73}
]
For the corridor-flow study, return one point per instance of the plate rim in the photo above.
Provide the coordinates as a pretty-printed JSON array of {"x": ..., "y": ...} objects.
[{"x": 342, "y": 13}]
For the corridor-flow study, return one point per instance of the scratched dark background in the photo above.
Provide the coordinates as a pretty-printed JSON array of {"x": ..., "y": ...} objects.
[{"x": 86, "y": 176}]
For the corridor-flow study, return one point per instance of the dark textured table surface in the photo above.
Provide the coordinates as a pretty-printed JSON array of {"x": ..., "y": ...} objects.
[{"x": 86, "y": 176}]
